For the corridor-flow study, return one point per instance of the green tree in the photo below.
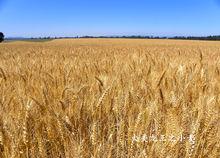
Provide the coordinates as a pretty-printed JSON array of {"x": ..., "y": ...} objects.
[{"x": 1, "y": 37}]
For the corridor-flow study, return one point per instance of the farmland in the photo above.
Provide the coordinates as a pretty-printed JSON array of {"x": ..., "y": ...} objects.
[{"x": 110, "y": 98}]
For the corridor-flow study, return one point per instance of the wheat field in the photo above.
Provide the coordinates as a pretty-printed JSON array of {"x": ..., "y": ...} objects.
[{"x": 110, "y": 98}]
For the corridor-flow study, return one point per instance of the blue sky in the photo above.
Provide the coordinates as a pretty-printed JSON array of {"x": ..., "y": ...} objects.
[{"x": 33, "y": 18}]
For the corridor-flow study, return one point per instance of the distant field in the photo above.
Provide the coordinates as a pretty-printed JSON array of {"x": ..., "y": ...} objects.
[
  {"x": 27, "y": 40},
  {"x": 110, "y": 98}
]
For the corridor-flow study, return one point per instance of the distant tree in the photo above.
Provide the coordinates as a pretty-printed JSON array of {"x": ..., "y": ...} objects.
[{"x": 1, "y": 37}]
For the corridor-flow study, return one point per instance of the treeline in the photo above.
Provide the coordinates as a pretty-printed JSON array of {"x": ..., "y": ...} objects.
[
  {"x": 211, "y": 38},
  {"x": 131, "y": 37}
]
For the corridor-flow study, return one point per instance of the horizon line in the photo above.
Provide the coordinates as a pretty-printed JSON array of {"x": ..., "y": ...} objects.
[{"x": 110, "y": 36}]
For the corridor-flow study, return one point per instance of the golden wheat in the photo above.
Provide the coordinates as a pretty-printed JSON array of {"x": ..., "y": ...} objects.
[{"x": 110, "y": 98}]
